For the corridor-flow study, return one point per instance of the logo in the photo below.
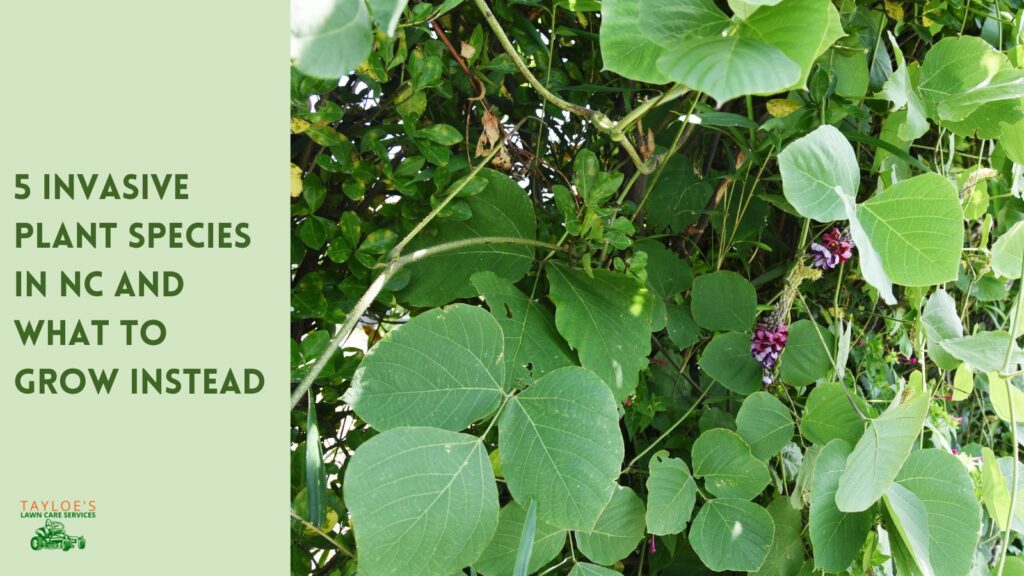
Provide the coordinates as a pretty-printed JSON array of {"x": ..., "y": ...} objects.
[{"x": 53, "y": 537}]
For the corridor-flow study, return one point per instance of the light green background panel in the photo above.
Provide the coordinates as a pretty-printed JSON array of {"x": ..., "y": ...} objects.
[{"x": 184, "y": 484}]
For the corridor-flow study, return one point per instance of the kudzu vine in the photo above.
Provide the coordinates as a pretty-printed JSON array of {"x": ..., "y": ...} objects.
[{"x": 766, "y": 321}]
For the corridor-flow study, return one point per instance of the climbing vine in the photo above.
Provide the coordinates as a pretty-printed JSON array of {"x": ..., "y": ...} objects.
[{"x": 657, "y": 287}]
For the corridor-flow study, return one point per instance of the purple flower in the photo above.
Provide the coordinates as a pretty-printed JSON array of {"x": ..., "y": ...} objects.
[
  {"x": 653, "y": 548},
  {"x": 766, "y": 345},
  {"x": 835, "y": 249}
]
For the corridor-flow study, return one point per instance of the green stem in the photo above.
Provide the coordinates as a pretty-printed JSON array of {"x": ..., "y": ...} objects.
[
  {"x": 375, "y": 288},
  {"x": 671, "y": 429},
  {"x": 548, "y": 95},
  {"x": 617, "y": 130},
  {"x": 397, "y": 250},
  {"x": 339, "y": 545},
  {"x": 1007, "y": 363}
]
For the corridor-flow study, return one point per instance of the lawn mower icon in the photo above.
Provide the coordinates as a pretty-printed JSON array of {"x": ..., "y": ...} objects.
[{"x": 52, "y": 536}]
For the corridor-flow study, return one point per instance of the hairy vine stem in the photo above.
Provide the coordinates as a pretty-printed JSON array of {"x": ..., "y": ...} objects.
[
  {"x": 1008, "y": 382},
  {"x": 616, "y": 130},
  {"x": 390, "y": 269}
]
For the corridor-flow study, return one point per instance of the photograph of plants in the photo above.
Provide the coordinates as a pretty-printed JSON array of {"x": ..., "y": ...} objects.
[{"x": 657, "y": 287}]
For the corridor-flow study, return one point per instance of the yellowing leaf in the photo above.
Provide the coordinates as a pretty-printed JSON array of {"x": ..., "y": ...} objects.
[
  {"x": 299, "y": 125},
  {"x": 780, "y": 107},
  {"x": 894, "y": 10},
  {"x": 296, "y": 181}
]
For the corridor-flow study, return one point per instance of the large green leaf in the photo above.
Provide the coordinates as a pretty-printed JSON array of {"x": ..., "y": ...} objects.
[
  {"x": 501, "y": 209},
  {"x": 723, "y": 301},
  {"x": 941, "y": 322},
  {"x": 732, "y": 534},
  {"x": 869, "y": 259},
  {"x": 807, "y": 355},
  {"x": 836, "y": 536},
  {"x": 430, "y": 511},
  {"x": 727, "y": 359},
  {"x": 984, "y": 350},
  {"x": 634, "y": 34},
  {"x": 330, "y": 38},
  {"x": 910, "y": 520},
  {"x": 671, "y": 494},
  {"x": 499, "y": 558},
  {"x": 820, "y": 175},
  {"x": 765, "y": 423},
  {"x": 723, "y": 459},
  {"x": 725, "y": 67},
  {"x": 444, "y": 368},
  {"x": 589, "y": 310},
  {"x": 802, "y": 29},
  {"x": 946, "y": 491},
  {"x": 617, "y": 531},
  {"x": 560, "y": 445},
  {"x": 532, "y": 343},
  {"x": 916, "y": 225},
  {"x": 1004, "y": 85},
  {"x": 956, "y": 73},
  {"x": 828, "y": 415},
  {"x": 879, "y": 454},
  {"x": 1008, "y": 252},
  {"x": 786, "y": 556}
]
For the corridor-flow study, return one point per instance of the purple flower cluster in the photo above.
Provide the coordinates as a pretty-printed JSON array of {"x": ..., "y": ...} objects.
[
  {"x": 766, "y": 345},
  {"x": 835, "y": 249}
]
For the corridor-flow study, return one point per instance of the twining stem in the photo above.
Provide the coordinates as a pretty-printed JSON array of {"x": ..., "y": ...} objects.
[
  {"x": 670, "y": 429},
  {"x": 617, "y": 130},
  {"x": 1008, "y": 382},
  {"x": 548, "y": 95},
  {"x": 390, "y": 269}
]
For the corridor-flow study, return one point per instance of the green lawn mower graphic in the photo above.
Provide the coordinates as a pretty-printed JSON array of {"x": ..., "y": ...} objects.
[{"x": 52, "y": 536}]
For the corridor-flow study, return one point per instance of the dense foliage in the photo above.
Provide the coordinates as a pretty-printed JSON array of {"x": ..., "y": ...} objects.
[{"x": 657, "y": 287}]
